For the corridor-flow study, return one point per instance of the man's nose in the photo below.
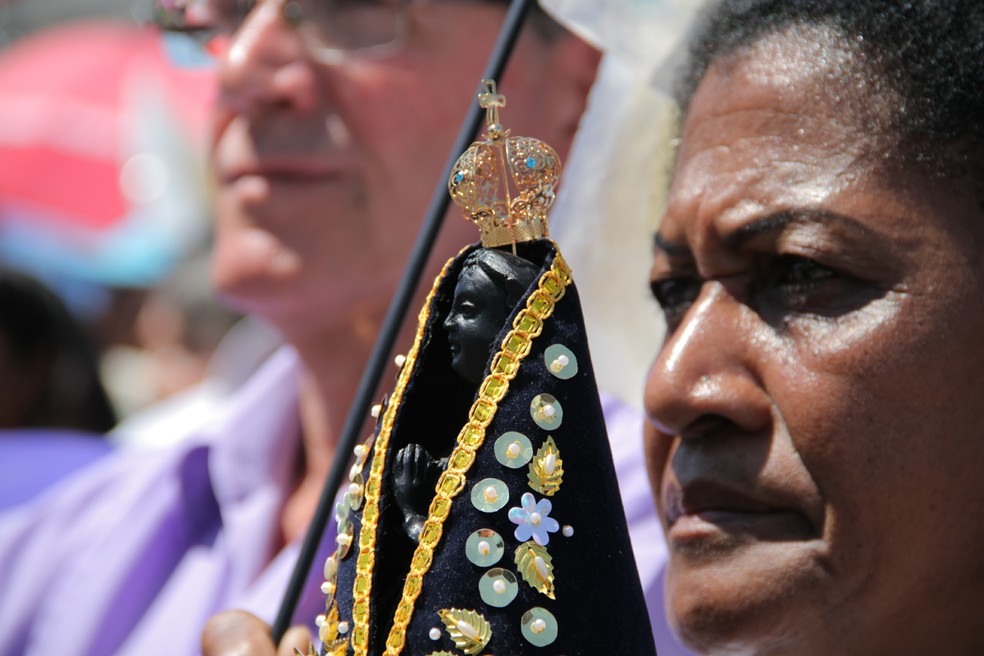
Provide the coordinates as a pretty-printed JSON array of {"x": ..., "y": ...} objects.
[
  {"x": 707, "y": 373},
  {"x": 267, "y": 65}
]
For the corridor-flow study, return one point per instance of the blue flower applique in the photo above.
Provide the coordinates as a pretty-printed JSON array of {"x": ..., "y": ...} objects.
[{"x": 533, "y": 520}]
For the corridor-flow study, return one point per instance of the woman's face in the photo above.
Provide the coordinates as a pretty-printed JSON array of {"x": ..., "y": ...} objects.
[
  {"x": 816, "y": 434},
  {"x": 477, "y": 314}
]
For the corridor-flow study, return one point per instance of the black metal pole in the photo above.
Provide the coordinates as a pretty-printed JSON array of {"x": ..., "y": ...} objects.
[{"x": 515, "y": 17}]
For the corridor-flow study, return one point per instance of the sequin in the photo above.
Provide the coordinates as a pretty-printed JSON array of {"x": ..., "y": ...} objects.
[
  {"x": 533, "y": 520},
  {"x": 331, "y": 568},
  {"x": 341, "y": 511},
  {"x": 539, "y": 627},
  {"x": 344, "y": 539},
  {"x": 489, "y": 495},
  {"x": 560, "y": 361},
  {"x": 546, "y": 411},
  {"x": 498, "y": 587},
  {"x": 355, "y": 496},
  {"x": 513, "y": 450},
  {"x": 484, "y": 547}
]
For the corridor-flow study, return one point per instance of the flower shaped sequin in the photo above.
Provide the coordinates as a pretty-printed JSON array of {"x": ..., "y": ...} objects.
[{"x": 533, "y": 520}]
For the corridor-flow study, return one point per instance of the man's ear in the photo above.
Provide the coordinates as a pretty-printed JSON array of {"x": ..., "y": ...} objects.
[
  {"x": 572, "y": 65},
  {"x": 546, "y": 86}
]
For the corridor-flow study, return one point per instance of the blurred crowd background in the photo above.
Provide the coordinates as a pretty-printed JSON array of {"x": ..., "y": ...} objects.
[{"x": 105, "y": 306}]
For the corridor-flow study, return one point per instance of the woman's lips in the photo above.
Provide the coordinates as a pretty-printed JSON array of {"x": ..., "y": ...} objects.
[{"x": 706, "y": 510}]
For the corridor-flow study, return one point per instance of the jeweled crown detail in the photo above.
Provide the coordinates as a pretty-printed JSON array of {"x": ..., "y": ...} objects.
[{"x": 480, "y": 180}]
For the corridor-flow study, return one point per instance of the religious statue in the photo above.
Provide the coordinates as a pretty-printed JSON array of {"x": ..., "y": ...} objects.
[
  {"x": 490, "y": 284},
  {"x": 483, "y": 515}
]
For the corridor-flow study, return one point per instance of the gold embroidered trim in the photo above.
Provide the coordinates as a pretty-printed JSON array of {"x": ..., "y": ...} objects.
[{"x": 516, "y": 345}]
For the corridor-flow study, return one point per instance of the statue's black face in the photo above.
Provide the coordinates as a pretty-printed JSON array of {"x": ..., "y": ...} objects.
[{"x": 477, "y": 314}]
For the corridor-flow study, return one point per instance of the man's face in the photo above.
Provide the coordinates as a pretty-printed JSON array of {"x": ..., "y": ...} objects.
[
  {"x": 325, "y": 171},
  {"x": 815, "y": 437}
]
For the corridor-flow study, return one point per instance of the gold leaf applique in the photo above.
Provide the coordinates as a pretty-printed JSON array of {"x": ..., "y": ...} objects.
[
  {"x": 547, "y": 469},
  {"x": 310, "y": 651},
  {"x": 536, "y": 567},
  {"x": 469, "y": 630},
  {"x": 337, "y": 648},
  {"x": 328, "y": 629}
]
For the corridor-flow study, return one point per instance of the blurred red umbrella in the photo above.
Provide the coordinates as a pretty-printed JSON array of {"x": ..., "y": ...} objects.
[{"x": 101, "y": 138}]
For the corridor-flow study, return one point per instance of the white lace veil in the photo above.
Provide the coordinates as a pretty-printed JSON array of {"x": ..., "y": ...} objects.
[{"x": 613, "y": 189}]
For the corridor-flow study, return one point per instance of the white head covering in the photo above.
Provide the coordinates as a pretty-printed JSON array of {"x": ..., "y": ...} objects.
[{"x": 613, "y": 189}]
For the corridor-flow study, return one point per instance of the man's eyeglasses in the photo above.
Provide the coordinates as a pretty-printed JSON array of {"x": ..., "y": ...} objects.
[{"x": 333, "y": 29}]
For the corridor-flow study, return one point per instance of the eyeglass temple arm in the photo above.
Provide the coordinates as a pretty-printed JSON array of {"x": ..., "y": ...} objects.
[{"x": 515, "y": 17}]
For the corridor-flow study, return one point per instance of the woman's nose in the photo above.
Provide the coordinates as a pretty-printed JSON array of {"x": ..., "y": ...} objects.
[
  {"x": 267, "y": 65},
  {"x": 708, "y": 369}
]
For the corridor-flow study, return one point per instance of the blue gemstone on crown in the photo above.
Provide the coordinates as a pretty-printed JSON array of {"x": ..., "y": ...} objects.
[
  {"x": 530, "y": 162},
  {"x": 459, "y": 177}
]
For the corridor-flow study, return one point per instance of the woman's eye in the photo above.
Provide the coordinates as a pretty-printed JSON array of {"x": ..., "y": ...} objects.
[
  {"x": 795, "y": 271},
  {"x": 800, "y": 284},
  {"x": 674, "y": 296}
]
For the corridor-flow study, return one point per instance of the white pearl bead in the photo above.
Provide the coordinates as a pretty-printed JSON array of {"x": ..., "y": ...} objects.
[
  {"x": 467, "y": 630},
  {"x": 435, "y": 634},
  {"x": 538, "y": 626},
  {"x": 499, "y": 586},
  {"x": 568, "y": 531}
]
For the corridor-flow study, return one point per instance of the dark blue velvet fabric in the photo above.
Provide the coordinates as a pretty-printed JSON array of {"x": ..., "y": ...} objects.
[{"x": 599, "y": 605}]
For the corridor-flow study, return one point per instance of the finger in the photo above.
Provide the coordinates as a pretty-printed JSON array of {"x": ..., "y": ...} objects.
[
  {"x": 237, "y": 633},
  {"x": 399, "y": 464},
  {"x": 296, "y": 640}
]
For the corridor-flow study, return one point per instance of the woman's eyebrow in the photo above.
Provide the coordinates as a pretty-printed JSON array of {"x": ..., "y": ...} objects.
[
  {"x": 780, "y": 220},
  {"x": 672, "y": 249}
]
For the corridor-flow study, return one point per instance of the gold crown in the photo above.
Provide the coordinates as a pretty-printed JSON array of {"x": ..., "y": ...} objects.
[{"x": 480, "y": 180}]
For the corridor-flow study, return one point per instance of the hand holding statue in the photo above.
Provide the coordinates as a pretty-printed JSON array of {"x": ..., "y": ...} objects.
[{"x": 234, "y": 633}]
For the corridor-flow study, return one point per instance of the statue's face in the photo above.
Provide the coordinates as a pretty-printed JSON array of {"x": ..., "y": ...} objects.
[{"x": 477, "y": 314}]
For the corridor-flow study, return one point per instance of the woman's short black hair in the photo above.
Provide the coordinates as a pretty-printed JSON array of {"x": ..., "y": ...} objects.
[{"x": 928, "y": 53}]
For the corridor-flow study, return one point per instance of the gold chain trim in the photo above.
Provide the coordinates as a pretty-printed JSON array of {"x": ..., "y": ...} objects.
[{"x": 516, "y": 345}]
